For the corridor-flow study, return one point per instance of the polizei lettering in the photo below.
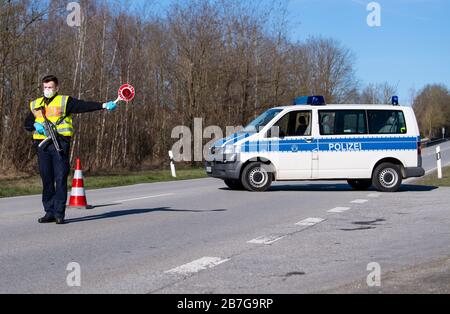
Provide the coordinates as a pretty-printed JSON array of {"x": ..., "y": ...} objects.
[{"x": 344, "y": 147}]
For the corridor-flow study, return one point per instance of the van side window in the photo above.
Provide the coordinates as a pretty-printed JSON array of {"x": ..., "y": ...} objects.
[
  {"x": 386, "y": 122},
  {"x": 342, "y": 122},
  {"x": 327, "y": 122},
  {"x": 294, "y": 123}
]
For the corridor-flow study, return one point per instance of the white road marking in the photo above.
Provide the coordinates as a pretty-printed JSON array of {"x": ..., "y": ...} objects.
[
  {"x": 310, "y": 222},
  {"x": 374, "y": 195},
  {"x": 197, "y": 265},
  {"x": 143, "y": 198},
  {"x": 359, "y": 201},
  {"x": 339, "y": 209},
  {"x": 267, "y": 239}
]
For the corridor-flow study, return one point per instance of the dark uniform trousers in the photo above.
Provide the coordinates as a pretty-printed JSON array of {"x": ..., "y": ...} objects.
[{"x": 54, "y": 170}]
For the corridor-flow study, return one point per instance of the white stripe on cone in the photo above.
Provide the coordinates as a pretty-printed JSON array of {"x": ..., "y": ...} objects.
[
  {"x": 78, "y": 174},
  {"x": 77, "y": 192}
]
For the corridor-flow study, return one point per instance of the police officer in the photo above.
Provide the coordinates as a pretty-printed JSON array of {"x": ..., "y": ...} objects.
[{"x": 53, "y": 165}]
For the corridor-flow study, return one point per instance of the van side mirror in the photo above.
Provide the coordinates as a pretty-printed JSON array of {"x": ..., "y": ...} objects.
[{"x": 272, "y": 132}]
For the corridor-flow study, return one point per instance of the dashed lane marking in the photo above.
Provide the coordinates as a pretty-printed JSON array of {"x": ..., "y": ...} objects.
[
  {"x": 267, "y": 239},
  {"x": 197, "y": 265},
  {"x": 310, "y": 222},
  {"x": 359, "y": 201},
  {"x": 339, "y": 209}
]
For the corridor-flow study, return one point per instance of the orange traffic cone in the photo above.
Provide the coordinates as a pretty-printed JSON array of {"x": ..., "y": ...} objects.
[{"x": 77, "y": 196}]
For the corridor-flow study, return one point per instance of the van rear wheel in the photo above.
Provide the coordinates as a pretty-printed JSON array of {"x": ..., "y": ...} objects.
[
  {"x": 256, "y": 177},
  {"x": 360, "y": 184},
  {"x": 387, "y": 177}
]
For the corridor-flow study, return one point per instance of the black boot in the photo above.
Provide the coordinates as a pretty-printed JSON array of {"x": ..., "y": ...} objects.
[
  {"x": 46, "y": 219},
  {"x": 60, "y": 221}
]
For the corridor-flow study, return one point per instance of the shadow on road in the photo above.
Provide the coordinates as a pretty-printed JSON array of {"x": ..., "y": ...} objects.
[
  {"x": 417, "y": 188},
  {"x": 343, "y": 187},
  {"x": 104, "y": 205},
  {"x": 129, "y": 212},
  {"x": 334, "y": 187}
]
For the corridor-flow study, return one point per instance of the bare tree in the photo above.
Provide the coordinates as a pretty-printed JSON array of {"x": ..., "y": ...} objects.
[
  {"x": 432, "y": 108},
  {"x": 378, "y": 93},
  {"x": 221, "y": 60}
]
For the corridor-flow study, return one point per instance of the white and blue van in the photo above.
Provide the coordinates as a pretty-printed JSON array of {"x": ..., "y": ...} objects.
[{"x": 366, "y": 145}]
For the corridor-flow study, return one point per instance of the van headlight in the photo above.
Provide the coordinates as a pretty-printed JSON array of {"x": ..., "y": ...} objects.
[
  {"x": 229, "y": 149},
  {"x": 230, "y": 153}
]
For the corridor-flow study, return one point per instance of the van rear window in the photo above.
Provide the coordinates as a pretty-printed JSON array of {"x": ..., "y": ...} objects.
[{"x": 386, "y": 122}]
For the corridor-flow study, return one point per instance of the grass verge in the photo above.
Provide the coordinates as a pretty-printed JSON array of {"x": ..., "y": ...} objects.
[
  {"x": 32, "y": 185},
  {"x": 432, "y": 179}
]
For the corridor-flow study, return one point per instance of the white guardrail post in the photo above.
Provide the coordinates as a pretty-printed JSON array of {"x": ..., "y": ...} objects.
[
  {"x": 439, "y": 162},
  {"x": 172, "y": 165}
]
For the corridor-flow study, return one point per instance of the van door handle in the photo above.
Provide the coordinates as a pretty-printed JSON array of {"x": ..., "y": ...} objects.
[{"x": 309, "y": 140}]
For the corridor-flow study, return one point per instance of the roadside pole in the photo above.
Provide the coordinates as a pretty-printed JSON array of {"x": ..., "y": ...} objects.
[
  {"x": 172, "y": 165},
  {"x": 439, "y": 162}
]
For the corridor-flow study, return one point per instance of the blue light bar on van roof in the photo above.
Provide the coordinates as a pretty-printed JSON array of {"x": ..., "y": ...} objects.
[
  {"x": 310, "y": 100},
  {"x": 395, "y": 100}
]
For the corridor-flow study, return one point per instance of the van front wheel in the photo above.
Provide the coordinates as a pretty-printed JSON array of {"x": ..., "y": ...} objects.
[
  {"x": 360, "y": 184},
  {"x": 387, "y": 177},
  {"x": 256, "y": 177}
]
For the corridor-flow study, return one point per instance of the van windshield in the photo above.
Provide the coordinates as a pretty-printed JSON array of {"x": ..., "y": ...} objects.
[{"x": 261, "y": 121}]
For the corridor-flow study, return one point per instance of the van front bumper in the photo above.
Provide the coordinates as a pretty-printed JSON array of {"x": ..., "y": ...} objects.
[
  {"x": 223, "y": 170},
  {"x": 414, "y": 172}
]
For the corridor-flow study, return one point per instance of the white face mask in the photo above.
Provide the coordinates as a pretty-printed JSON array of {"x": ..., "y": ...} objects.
[{"x": 49, "y": 93}]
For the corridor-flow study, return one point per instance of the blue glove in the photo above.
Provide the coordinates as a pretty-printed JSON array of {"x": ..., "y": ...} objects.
[
  {"x": 110, "y": 105},
  {"x": 40, "y": 128}
]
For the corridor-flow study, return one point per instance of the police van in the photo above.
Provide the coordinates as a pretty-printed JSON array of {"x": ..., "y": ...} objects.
[{"x": 366, "y": 145}]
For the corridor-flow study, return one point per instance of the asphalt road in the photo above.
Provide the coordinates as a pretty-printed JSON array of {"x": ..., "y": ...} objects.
[
  {"x": 429, "y": 156},
  {"x": 197, "y": 236}
]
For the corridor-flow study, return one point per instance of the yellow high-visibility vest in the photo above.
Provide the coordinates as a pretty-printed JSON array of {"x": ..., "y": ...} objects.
[{"x": 55, "y": 113}]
